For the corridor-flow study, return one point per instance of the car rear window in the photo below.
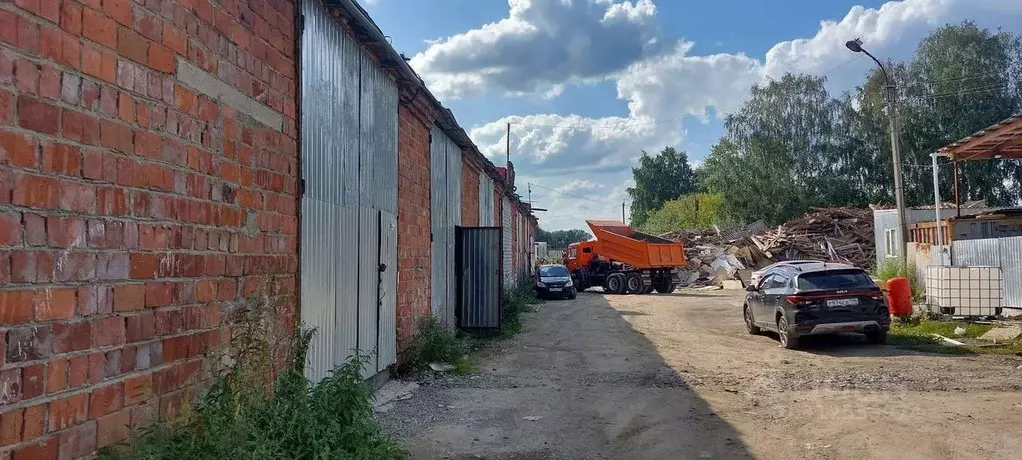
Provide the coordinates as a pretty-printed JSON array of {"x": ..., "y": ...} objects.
[
  {"x": 837, "y": 279},
  {"x": 555, "y": 270}
]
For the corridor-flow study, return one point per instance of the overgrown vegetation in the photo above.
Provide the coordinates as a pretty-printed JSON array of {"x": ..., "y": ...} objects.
[
  {"x": 893, "y": 268},
  {"x": 917, "y": 335},
  {"x": 238, "y": 419},
  {"x": 434, "y": 344},
  {"x": 692, "y": 211},
  {"x": 517, "y": 300}
]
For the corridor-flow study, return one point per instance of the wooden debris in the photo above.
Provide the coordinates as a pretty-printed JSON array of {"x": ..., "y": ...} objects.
[{"x": 847, "y": 231}]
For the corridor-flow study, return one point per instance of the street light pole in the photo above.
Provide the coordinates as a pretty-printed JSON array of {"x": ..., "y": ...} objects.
[{"x": 891, "y": 97}]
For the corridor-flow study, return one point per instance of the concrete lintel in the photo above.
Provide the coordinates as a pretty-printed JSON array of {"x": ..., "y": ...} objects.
[{"x": 210, "y": 85}]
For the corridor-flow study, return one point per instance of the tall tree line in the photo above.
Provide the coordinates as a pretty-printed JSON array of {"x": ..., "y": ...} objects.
[{"x": 793, "y": 145}]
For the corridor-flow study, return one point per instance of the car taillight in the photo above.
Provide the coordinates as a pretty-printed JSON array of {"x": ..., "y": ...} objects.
[{"x": 798, "y": 301}]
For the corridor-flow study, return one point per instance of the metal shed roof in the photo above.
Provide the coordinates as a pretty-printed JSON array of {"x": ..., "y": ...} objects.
[{"x": 1002, "y": 140}]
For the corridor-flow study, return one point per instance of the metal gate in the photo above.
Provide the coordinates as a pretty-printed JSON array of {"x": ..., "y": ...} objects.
[
  {"x": 445, "y": 215},
  {"x": 479, "y": 284},
  {"x": 349, "y": 206}
]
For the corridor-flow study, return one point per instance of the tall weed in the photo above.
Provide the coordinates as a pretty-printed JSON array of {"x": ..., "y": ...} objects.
[{"x": 239, "y": 420}]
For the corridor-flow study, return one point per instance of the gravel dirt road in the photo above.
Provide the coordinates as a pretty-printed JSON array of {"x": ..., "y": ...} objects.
[{"x": 677, "y": 377}]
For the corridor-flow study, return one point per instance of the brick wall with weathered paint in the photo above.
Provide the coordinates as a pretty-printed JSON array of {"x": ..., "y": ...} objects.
[{"x": 136, "y": 213}]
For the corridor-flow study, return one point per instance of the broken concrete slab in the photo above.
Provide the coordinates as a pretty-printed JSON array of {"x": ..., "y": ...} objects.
[
  {"x": 1002, "y": 334},
  {"x": 735, "y": 285}
]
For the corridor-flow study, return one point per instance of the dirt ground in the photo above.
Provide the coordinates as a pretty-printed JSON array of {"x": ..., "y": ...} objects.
[{"x": 677, "y": 377}]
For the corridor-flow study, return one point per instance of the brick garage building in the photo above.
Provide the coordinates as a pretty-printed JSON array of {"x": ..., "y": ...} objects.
[
  {"x": 149, "y": 190},
  {"x": 138, "y": 210}
]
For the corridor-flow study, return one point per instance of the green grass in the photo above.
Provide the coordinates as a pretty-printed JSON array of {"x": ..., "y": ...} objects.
[
  {"x": 892, "y": 268},
  {"x": 918, "y": 336},
  {"x": 434, "y": 344},
  {"x": 241, "y": 419},
  {"x": 518, "y": 299}
]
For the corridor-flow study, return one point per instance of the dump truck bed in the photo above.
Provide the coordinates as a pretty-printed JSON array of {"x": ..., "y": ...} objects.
[{"x": 621, "y": 243}]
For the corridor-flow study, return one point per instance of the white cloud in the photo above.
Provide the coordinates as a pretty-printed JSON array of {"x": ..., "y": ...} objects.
[
  {"x": 541, "y": 46},
  {"x": 544, "y": 45}
]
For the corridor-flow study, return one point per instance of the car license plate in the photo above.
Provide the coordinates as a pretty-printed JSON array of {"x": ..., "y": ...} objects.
[
  {"x": 850, "y": 302},
  {"x": 555, "y": 289}
]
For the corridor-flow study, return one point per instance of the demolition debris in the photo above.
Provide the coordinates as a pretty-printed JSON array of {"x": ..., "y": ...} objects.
[{"x": 832, "y": 234}]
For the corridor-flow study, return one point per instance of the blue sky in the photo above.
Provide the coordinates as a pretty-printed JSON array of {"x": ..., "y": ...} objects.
[{"x": 588, "y": 84}]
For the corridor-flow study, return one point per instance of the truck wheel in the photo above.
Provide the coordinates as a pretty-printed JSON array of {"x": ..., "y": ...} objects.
[
  {"x": 664, "y": 286},
  {"x": 633, "y": 283},
  {"x": 615, "y": 283}
]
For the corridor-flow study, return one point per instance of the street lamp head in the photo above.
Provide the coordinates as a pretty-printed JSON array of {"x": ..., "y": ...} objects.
[{"x": 854, "y": 45}]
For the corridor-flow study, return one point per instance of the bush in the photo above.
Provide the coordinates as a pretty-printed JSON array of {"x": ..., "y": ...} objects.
[
  {"x": 694, "y": 211},
  {"x": 892, "y": 268},
  {"x": 434, "y": 344},
  {"x": 238, "y": 419},
  {"x": 517, "y": 299}
]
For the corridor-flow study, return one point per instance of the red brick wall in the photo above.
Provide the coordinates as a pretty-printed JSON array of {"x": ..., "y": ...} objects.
[
  {"x": 413, "y": 238},
  {"x": 135, "y": 213},
  {"x": 469, "y": 193}
]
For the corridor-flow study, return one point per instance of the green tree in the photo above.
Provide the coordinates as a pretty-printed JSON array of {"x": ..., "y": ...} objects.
[
  {"x": 779, "y": 154},
  {"x": 792, "y": 146},
  {"x": 966, "y": 80},
  {"x": 658, "y": 179},
  {"x": 692, "y": 211},
  {"x": 560, "y": 239}
]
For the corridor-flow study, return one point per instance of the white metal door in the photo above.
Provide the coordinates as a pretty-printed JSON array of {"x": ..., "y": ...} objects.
[
  {"x": 349, "y": 168},
  {"x": 507, "y": 228}
]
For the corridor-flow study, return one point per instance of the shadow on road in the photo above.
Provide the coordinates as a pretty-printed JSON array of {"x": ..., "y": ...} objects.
[
  {"x": 847, "y": 345},
  {"x": 578, "y": 383}
]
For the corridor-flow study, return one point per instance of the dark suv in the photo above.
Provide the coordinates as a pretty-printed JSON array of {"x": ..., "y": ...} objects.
[{"x": 817, "y": 298}]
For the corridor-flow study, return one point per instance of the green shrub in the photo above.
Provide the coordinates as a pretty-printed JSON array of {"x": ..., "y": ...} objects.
[
  {"x": 892, "y": 268},
  {"x": 517, "y": 299},
  {"x": 239, "y": 419},
  {"x": 693, "y": 211},
  {"x": 433, "y": 344}
]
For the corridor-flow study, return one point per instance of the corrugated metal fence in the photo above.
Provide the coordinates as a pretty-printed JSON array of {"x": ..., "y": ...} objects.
[
  {"x": 349, "y": 167},
  {"x": 995, "y": 252},
  {"x": 478, "y": 268}
]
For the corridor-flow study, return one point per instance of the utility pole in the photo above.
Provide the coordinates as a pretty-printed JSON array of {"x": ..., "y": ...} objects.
[
  {"x": 899, "y": 199},
  {"x": 892, "y": 115},
  {"x": 507, "y": 146},
  {"x": 623, "y": 212}
]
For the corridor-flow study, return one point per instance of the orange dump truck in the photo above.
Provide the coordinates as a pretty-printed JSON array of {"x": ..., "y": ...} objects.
[{"x": 624, "y": 261}]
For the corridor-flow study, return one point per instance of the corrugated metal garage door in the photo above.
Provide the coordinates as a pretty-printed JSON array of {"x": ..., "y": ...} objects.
[
  {"x": 445, "y": 215},
  {"x": 486, "y": 201},
  {"x": 349, "y": 166},
  {"x": 508, "y": 256}
]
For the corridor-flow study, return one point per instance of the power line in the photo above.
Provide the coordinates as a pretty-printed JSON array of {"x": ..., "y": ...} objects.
[
  {"x": 966, "y": 92},
  {"x": 571, "y": 194},
  {"x": 966, "y": 77}
]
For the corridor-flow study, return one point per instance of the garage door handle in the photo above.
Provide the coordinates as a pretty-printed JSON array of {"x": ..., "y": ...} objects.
[{"x": 383, "y": 267}]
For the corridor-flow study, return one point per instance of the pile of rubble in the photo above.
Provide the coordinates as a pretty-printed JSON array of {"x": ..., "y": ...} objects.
[{"x": 832, "y": 234}]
